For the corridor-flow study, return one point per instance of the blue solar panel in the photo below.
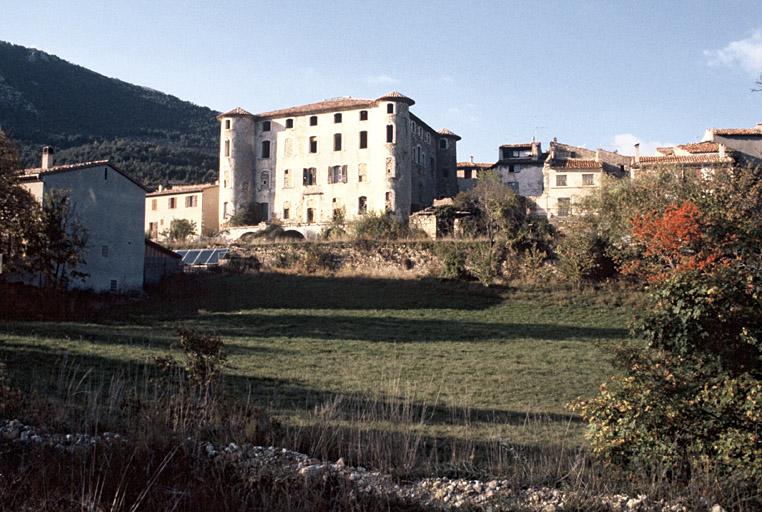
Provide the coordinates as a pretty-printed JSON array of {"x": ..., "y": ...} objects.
[
  {"x": 214, "y": 259},
  {"x": 202, "y": 256},
  {"x": 190, "y": 257}
]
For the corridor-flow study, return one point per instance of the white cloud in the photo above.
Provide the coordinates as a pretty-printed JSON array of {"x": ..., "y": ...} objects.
[
  {"x": 624, "y": 144},
  {"x": 381, "y": 79},
  {"x": 746, "y": 53}
]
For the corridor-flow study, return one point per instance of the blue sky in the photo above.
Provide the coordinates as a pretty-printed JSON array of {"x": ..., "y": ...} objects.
[{"x": 597, "y": 74}]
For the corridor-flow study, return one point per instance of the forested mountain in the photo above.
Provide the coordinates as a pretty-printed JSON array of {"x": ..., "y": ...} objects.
[{"x": 156, "y": 137}]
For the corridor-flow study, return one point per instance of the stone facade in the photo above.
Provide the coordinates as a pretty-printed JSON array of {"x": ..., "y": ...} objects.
[
  {"x": 520, "y": 167},
  {"x": 196, "y": 203},
  {"x": 304, "y": 165},
  {"x": 110, "y": 205}
]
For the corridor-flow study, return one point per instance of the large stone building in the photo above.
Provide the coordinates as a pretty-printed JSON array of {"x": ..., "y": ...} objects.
[
  {"x": 195, "y": 203},
  {"x": 110, "y": 206},
  {"x": 305, "y": 165}
]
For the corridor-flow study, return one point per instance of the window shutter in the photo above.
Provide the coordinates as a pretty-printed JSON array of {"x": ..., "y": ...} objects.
[
  {"x": 344, "y": 173},
  {"x": 305, "y": 173}
]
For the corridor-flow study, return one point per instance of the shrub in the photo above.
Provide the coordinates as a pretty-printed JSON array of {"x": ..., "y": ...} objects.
[
  {"x": 452, "y": 257},
  {"x": 382, "y": 226},
  {"x": 203, "y": 358},
  {"x": 578, "y": 252},
  {"x": 179, "y": 230}
]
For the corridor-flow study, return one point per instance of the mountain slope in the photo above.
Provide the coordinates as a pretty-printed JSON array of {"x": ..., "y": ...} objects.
[{"x": 156, "y": 137}]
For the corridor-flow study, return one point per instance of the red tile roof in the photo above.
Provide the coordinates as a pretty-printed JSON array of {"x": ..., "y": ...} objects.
[
  {"x": 737, "y": 131},
  {"x": 36, "y": 173},
  {"x": 396, "y": 96},
  {"x": 182, "y": 189},
  {"x": 320, "y": 106},
  {"x": 685, "y": 160},
  {"x": 666, "y": 151},
  {"x": 517, "y": 146},
  {"x": 474, "y": 165},
  {"x": 236, "y": 112},
  {"x": 700, "y": 147},
  {"x": 576, "y": 163},
  {"x": 444, "y": 132}
]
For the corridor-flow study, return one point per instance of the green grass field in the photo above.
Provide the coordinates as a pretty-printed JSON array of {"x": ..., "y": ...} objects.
[{"x": 482, "y": 362}]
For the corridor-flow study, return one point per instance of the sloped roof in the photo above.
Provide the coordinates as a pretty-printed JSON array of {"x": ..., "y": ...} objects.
[
  {"x": 576, "y": 163},
  {"x": 737, "y": 131},
  {"x": 396, "y": 96},
  {"x": 37, "y": 173},
  {"x": 527, "y": 145},
  {"x": 685, "y": 160},
  {"x": 236, "y": 112},
  {"x": 320, "y": 106},
  {"x": 474, "y": 165},
  {"x": 666, "y": 151},
  {"x": 444, "y": 132},
  {"x": 700, "y": 147},
  {"x": 182, "y": 189}
]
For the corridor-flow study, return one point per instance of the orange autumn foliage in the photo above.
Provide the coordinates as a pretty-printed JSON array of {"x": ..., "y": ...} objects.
[{"x": 673, "y": 241}]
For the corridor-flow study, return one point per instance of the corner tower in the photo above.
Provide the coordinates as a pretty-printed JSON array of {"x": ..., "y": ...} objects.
[
  {"x": 237, "y": 162},
  {"x": 398, "y": 194}
]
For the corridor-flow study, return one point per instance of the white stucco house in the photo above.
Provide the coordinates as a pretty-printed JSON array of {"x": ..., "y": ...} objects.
[
  {"x": 111, "y": 207},
  {"x": 304, "y": 165}
]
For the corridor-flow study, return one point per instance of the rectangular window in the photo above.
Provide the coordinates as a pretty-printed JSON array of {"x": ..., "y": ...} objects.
[
  {"x": 337, "y": 142},
  {"x": 289, "y": 123},
  {"x": 389, "y": 201},
  {"x": 104, "y": 251},
  {"x": 265, "y": 126},
  {"x": 191, "y": 201},
  {"x": 227, "y": 124},
  {"x": 390, "y": 108},
  {"x": 389, "y": 133},
  {"x": 337, "y": 118},
  {"x": 561, "y": 180},
  {"x": 313, "y": 120},
  {"x": 227, "y": 148},
  {"x": 363, "y": 115},
  {"x": 362, "y": 205},
  {"x": 313, "y": 144},
  {"x": 287, "y": 183},
  {"x": 114, "y": 286},
  {"x": 309, "y": 176},
  {"x": 154, "y": 204},
  {"x": 265, "y": 149},
  {"x": 363, "y": 139},
  {"x": 153, "y": 230},
  {"x": 286, "y": 212},
  {"x": 442, "y": 143},
  {"x": 564, "y": 206},
  {"x": 172, "y": 203},
  {"x": 310, "y": 215},
  {"x": 362, "y": 173},
  {"x": 337, "y": 174},
  {"x": 587, "y": 179}
]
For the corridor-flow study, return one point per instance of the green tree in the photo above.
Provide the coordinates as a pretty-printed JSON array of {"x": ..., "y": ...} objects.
[
  {"x": 179, "y": 230},
  {"x": 19, "y": 212},
  {"x": 58, "y": 246}
]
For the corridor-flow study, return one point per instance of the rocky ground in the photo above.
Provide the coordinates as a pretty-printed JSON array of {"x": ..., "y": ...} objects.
[{"x": 437, "y": 493}]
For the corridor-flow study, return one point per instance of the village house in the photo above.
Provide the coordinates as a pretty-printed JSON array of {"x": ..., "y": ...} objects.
[
  {"x": 110, "y": 206},
  {"x": 520, "y": 167},
  {"x": 571, "y": 173},
  {"x": 468, "y": 173},
  {"x": 698, "y": 157},
  {"x": 340, "y": 158},
  {"x": 746, "y": 143},
  {"x": 195, "y": 203}
]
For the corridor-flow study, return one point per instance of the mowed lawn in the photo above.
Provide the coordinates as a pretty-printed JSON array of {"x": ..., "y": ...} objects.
[{"x": 491, "y": 362}]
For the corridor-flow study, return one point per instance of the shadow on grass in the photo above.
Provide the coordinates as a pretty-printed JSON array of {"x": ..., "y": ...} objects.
[{"x": 184, "y": 296}]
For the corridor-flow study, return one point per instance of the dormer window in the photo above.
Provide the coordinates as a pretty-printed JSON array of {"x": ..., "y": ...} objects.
[{"x": 266, "y": 126}]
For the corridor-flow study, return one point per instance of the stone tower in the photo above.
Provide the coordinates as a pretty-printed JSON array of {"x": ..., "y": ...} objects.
[
  {"x": 398, "y": 157},
  {"x": 237, "y": 162}
]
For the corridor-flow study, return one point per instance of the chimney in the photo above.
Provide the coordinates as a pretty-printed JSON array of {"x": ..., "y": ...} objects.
[
  {"x": 637, "y": 152},
  {"x": 161, "y": 187},
  {"x": 535, "y": 148},
  {"x": 472, "y": 158},
  {"x": 722, "y": 150},
  {"x": 47, "y": 157}
]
